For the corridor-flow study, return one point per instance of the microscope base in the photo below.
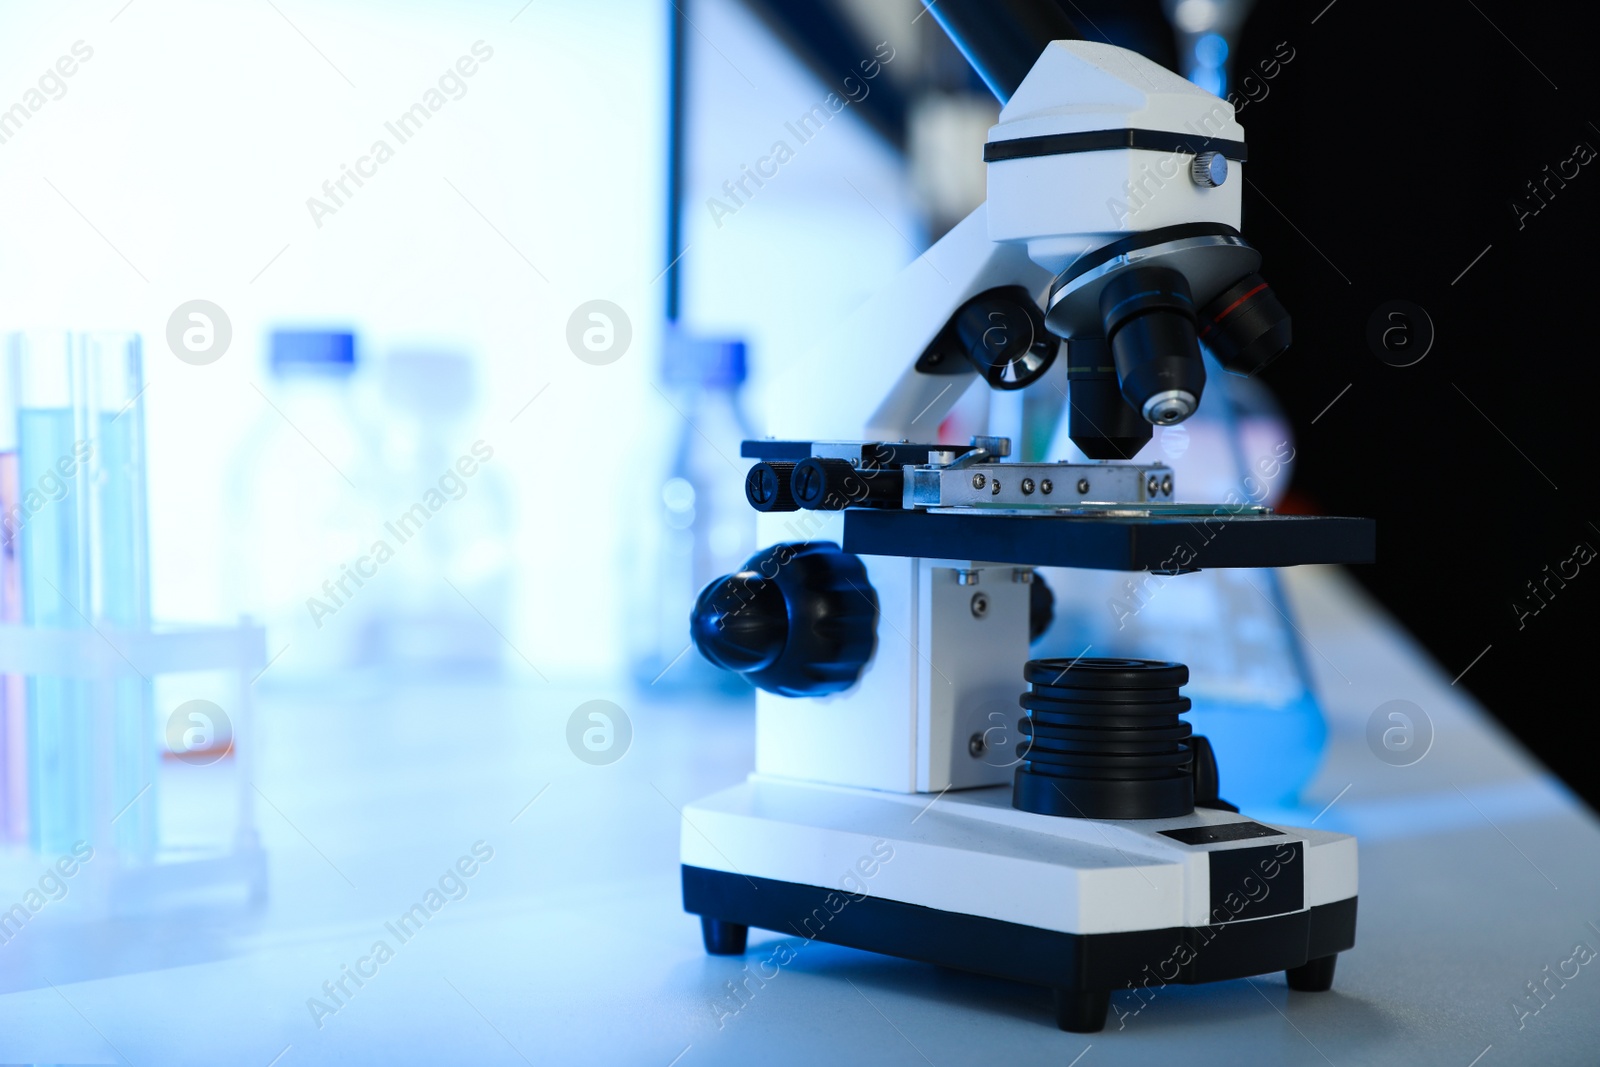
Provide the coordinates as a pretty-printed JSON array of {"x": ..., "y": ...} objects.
[{"x": 968, "y": 882}]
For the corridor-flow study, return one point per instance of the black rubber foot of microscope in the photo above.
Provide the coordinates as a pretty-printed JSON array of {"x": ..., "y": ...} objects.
[
  {"x": 1082, "y": 1011},
  {"x": 724, "y": 938},
  {"x": 1313, "y": 976}
]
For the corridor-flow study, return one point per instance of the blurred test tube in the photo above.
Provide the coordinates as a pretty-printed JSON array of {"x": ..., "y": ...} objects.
[
  {"x": 13, "y": 690},
  {"x": 75, "y": 523},
  {"x": 120, "y": 564},
  {"x": 52, "y": 520}
]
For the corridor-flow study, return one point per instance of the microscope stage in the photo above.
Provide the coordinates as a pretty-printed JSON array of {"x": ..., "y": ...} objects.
[
  {"x": 1219, "y": 536},
  {"x": 964, "y": 880}
]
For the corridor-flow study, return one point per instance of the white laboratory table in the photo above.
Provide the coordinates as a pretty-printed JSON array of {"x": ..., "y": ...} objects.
[{"x": 1478, "y": 871}]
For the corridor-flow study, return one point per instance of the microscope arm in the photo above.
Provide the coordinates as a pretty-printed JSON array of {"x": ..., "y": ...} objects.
[{"x": 863, "y": 382}]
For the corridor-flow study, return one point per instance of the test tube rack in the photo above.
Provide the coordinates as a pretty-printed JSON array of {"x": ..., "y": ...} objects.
[{"x": 118, "y": 883}]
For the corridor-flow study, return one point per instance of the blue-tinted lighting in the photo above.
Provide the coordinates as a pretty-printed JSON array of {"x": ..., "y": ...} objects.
[{"x": 1211, "y": 50}]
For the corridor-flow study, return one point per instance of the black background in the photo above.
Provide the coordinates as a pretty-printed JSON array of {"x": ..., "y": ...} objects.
[{"x": 1386, "y": 157}]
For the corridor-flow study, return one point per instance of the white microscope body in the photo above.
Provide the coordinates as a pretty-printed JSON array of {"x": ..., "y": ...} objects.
[{"x": 881, "y": 813}]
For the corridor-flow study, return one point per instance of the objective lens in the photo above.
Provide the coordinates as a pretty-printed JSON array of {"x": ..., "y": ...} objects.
[
  {"x": 1149, "y": 318},
  {"x": 1099, "y": 420},
  {"x": 1246, "y": 327}
]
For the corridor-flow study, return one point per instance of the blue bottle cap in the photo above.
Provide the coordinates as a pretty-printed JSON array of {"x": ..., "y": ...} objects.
[
  {"x": 328, "y": 351},
  {"x": 709, "y": 362}
]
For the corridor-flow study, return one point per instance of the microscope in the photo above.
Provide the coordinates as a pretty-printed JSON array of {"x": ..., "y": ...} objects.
[{"x": 923, "y": 788}]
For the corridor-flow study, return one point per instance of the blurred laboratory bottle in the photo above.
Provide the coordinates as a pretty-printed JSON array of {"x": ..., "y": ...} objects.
[
  {"x": 120, "y": 569},
  {"x": 447, "y": 516},
  {"x": 703, "y": 526},
  {"x": 301, "y": 503}
]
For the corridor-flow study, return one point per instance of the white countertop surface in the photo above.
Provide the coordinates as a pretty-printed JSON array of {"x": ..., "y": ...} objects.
[{"x": 570, "y": 946}]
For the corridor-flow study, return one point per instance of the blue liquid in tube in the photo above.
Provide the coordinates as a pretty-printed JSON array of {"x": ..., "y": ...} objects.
[
  {"x": 125, "y": 604},
  {"x": 60, "y": 719}
]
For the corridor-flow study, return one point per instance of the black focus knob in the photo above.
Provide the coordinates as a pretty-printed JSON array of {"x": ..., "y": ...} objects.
[
  {"x": 797, "y": 619},
  {"x": 1041, "y": 607}
]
